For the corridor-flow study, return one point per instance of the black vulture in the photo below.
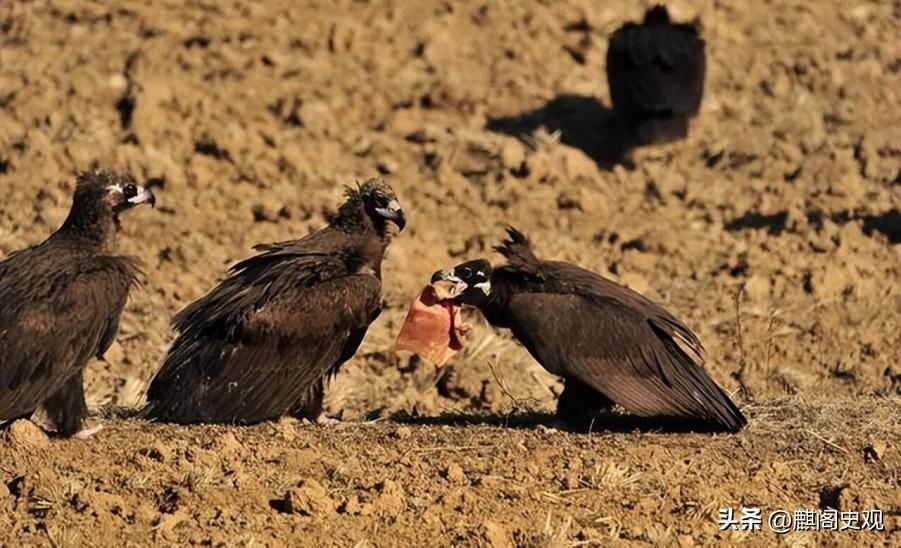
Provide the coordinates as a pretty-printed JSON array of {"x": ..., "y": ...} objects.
[
  {"x": 263, "y": 342},
  {"x": 60, "y": 303},
  {"x": 608, "y": 343},
  {"x": 655, "y": 72}
]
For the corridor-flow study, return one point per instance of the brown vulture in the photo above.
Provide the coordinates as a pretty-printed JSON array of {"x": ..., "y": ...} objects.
[
  {"x": 610, "y": 344},
  {"x": 655, "y": 72},
  {"x": 262, "y": 343},
  {"x": 60, "y": 303}
]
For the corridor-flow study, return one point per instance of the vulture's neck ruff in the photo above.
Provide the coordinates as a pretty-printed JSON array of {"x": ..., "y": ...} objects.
[
  {"x": 91, "y": 220},
  {"x": 352, "y": 218},
  {"x": 100, "y": 197}
]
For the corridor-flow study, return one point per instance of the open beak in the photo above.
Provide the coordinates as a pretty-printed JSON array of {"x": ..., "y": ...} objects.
[
  {"x": 442, "y": 275},
  {"x": 447, "y": 285},
  {"x": 393, "y": 213},
  {"x": 143, "y": 195}
]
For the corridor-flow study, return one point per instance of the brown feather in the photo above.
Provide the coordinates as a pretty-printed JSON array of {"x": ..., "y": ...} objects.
[
  {"x": 655, "y": 71},
  {"x": 61, "y": 305},
  {"x": 262, "y": 343},
  {"x": 580, "y": 325}
]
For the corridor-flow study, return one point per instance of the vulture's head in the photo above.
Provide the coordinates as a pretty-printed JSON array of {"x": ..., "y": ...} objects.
[
  {"x": 470, "y": 282},
  {"x": 381, "y": 205},
  {"x": 101, "y": 196},
  {"x": 657, "y": 15}
]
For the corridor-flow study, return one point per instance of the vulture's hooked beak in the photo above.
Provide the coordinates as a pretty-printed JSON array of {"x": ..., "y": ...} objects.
[
  {"x": 393, "y": 213},
  {"x": 447, "y": 285},
  {"x": 466, "y": 283},
  {"x": 143, "y": 195}
]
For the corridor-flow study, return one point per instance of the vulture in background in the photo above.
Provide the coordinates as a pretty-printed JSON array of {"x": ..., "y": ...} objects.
[
  {"x": 60, "y": 303},
  {"x": 610, "y": 344},
  {"x": 655, "y": 71},
  {"x": 262, "y": 343}
]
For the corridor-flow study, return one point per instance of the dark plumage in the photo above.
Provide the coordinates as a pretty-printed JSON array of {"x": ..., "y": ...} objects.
[
  {"x": 60, "y": 303},
  {"x": 610, "y": 344},
  {"x": 263, "y": 342},
  {"x": 655, "y": 71}
]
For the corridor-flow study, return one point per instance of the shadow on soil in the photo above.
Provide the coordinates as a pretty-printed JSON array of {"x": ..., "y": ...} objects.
[
  {"x": 604, "y": 423},
  {"x": 583, "y": 123}
]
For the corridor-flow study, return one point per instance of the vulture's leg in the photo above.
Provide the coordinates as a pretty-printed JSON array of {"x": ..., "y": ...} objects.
[
  {"x": 310, "y": 405},
  {"x": 579, "y": 403},
  {"x": 67, "y": 408}
]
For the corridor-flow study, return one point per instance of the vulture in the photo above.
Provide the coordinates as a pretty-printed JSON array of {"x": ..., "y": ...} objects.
[
  {"x": 655, "y": 72},
  {"x": 608, "y": 343},
  {"x": 60, "y": 303},
  {"x": 263, "y": 342}
]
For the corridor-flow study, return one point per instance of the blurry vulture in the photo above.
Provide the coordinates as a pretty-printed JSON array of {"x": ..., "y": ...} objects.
[
  {"x": 610, "y": 344},
  {"x": 655, "y": 71},
  {"x": 60, "y": 303},
  {"x": 262, "y": 343}
]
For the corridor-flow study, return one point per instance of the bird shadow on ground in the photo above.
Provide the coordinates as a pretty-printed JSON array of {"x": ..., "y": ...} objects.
[
  {"x": 605, "y": 423},
  {"x": 583, "y": 123},
  {"x": 519, "y": 419},
  {"x": 117, "y": 412}
]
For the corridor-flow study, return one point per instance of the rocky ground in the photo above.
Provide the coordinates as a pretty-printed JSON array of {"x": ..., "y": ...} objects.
[{"x": 772, "y": 231}]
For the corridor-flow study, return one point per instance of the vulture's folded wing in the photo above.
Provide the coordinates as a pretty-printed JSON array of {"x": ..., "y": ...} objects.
[
  {"x": 51, "y": 325},
  {"x": 253, "y": 344},
  {"x": 648, "y": 364}
]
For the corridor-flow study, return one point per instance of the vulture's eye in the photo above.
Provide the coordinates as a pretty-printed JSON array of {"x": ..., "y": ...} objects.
[{"x": 130, "y": 191}]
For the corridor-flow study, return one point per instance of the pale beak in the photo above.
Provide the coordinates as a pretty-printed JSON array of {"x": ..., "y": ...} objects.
[
  {"x": 393, "y": 213},
  {"x": 447, "y": 285},
  {"x": 143, "y": 195}
]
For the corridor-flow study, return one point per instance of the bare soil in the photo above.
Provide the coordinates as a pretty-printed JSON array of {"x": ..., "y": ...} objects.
[{"x": 772, "y": 231}]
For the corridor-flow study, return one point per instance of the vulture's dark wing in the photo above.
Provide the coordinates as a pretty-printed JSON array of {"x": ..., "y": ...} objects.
[
  {"x": 251, "y": 347},
  {"x": 621, "y": 344},
  {"x": 656, "y": 69},
  {"x": 52, "y": 321}
]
